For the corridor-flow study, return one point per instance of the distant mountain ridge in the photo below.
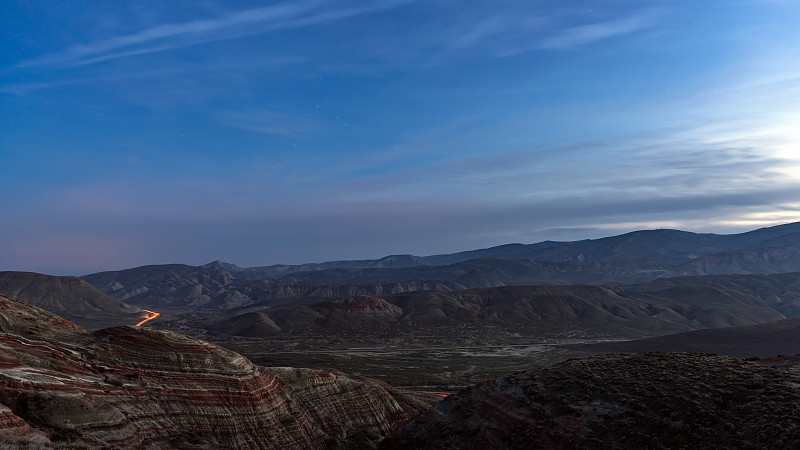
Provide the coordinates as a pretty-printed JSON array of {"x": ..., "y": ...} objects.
[
  {"x": 672, "y": 246},
  {"x": 636, "y": 257}
]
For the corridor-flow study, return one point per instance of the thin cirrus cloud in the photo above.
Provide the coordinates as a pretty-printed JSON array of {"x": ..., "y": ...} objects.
[
  {"x": 22, "y": 89},
  {"x": 652, "y": 167},
  {"x": 502, "y": 30},
  {"x": 579, "y": 35},
  {"x": 504, "y": 33},
  {"x": 177, "y": 35},
  {"x": 268, "y": 122},
  {"x": 584, "y": 34},
  {"x": 469, "y": 123}
]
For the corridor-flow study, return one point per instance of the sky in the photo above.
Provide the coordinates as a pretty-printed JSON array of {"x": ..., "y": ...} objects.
[{"x": 151, "y": 132}]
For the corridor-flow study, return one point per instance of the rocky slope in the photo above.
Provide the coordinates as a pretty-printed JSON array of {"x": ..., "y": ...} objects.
[
  {"x": 164, "y": 285},
  {"x": 532, "y": 310},
  {"x": 143, "y": 388},
  {"x": 779, "y": 255},
  {"x": 779, "y": 291},
  {"x": 213, "y": 287},
  {"x": 68, "y": 297},
  {"x": 650, "y": 400},
  {"x": 362, "y": 314}
]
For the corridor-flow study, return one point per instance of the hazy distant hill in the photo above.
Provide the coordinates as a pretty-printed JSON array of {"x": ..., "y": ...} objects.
[
  {"x": 777, "y": 255},
  {"x": 491, "y": 272},
  {"x": 635, "y": 257},
  {"x": 201, "y": 287},
  {"x": 280, "y": 270},
  {"x": 163, "y": 284},
  {"x": 68, "y": 297},
  {"x": 671, "y": 246},
  {"x": 183, "y": 286},
  {"x": 780, "y": 291}
]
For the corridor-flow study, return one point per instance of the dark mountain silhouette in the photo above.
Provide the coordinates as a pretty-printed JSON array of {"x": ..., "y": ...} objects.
[{"x": 674, "y": 247}]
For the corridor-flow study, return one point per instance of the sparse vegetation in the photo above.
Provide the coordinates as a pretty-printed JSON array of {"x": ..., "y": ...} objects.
[{"x": 648, "y": 400}]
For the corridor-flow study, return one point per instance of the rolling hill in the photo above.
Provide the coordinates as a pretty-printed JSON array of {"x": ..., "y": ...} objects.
[
  {"x": 628, "y": 311},
  {"x": 69, "y": 297}
]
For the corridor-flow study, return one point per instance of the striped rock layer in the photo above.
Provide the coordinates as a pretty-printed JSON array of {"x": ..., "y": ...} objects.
[{"x": 128, "y": 387}]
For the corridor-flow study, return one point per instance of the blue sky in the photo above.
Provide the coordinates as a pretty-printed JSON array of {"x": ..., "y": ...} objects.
[{"x": 152, "y": 132}]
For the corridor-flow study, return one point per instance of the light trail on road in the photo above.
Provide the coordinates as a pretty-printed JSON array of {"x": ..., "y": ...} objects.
[{"x": 152, "y": 316}]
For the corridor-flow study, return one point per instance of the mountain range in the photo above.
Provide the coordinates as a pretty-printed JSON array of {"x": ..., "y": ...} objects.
[
  {"x": 655, "y": 308},
  {"x": 451, "y": 316},
  {"x": 674, "y": 247},
  {"x": 635, "y": 257}
]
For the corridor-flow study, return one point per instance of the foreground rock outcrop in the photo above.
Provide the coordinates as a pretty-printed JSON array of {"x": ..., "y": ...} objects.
[
  {"x": 144, "y": 388},
  {"x": 648, "y": 400}
]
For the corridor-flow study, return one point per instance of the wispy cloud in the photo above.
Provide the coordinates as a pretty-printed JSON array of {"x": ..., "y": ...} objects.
[
  {"x": 579, "y": 35},
  {"x": 501, "y": 33},
  {"x": 176, "y": 35},
  {"x": 269, "y": 122},
  {"x": 655, "y": 166},
  {"x": 585, "y": 34},
  {"x": 21, "y": 89},
  {"x": 24, "y": 88}
]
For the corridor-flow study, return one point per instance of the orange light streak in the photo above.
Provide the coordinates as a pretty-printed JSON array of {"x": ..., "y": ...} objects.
[
  {"x": 440, "y": 394},
  {"x": 151, "y": 317}
]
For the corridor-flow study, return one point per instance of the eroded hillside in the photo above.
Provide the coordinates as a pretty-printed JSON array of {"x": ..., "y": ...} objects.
[{"x": 145, "y": 388}]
